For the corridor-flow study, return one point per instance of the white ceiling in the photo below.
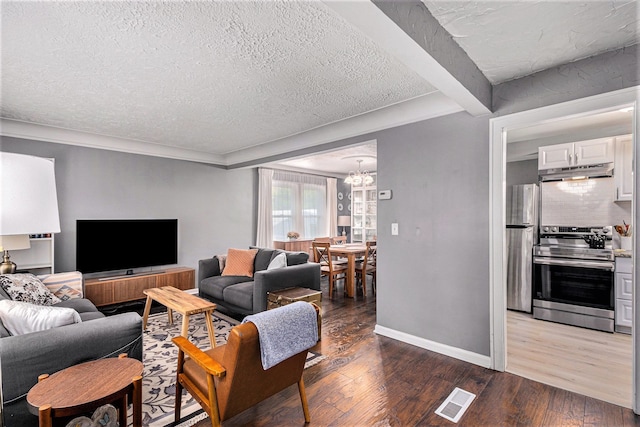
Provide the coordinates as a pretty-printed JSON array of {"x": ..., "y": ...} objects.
[
  {"x": 512, "y": 39},
  {"x": 231, "y": 81}
]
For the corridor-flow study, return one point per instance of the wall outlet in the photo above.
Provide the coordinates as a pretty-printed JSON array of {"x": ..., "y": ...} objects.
[{"x": 394, "y": 229}]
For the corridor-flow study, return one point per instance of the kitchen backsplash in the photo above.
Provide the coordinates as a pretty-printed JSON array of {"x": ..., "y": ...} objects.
[{"x": 587, "y": 202}]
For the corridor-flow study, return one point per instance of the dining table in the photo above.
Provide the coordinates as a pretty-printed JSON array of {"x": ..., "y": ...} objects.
[{"x": 351, "y": 251}]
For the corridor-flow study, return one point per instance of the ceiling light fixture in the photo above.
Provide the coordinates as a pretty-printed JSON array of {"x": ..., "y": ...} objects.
[{"x": 359, "y": 177}]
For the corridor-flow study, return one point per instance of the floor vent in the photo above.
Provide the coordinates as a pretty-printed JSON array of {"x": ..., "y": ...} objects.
[{"x": 455, "y": 405}]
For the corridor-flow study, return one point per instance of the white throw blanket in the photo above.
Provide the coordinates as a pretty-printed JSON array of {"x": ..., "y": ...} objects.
[{"x": 285, "y": 331}]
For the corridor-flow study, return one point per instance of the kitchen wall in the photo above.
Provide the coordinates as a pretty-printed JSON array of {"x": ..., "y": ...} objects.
[
  {"x": 522, "y": 172},
  {"x": 215, "y": 207},
  {"x": 585, "y": 202}
]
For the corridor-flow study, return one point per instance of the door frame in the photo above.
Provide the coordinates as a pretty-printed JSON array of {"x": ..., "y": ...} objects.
[{"x": 498, "y": 128}]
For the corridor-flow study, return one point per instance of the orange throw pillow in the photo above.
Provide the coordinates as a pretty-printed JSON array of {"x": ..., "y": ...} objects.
[{"x": 239, "y": 262}]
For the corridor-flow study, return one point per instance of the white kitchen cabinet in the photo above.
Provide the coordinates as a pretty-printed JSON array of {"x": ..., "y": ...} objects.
[
  {"x": 623, "y": 169},
  {"x": 623, "y": 292},
  {"x": 571, "y": 154},
  {"x": 364, "y": 212},
  {"x": 38, "y": 259}
]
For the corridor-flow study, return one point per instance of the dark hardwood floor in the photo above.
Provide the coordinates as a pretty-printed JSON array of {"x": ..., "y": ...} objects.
[{"x": 370, "y": 380}]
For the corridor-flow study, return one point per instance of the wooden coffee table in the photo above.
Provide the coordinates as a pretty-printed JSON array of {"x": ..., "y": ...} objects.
[
  {"x": 182, "y": 302},
  {"x": 85, "y": 387}
]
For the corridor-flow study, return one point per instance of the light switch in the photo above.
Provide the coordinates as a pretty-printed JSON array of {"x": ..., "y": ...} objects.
[{"x": 394, "y": 229}]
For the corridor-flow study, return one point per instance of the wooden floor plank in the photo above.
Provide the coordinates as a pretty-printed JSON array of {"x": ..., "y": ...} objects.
[
  {"x": 593, "y": 363},
  {"x": 371, "y": 380}
]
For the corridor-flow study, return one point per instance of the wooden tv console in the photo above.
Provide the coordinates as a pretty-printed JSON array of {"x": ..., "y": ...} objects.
[{"x": 129, "y": 288}]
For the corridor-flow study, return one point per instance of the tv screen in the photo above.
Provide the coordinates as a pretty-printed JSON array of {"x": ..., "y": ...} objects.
[{"x": 122, "y": 244}]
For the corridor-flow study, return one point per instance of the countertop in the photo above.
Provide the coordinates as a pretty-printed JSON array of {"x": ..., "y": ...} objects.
[{"x": 622, "y": 253}]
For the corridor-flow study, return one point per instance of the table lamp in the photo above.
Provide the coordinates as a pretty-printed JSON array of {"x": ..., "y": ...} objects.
[
  {"x": 344, "y": 221},
  {"x": 28, "y": 202},
  {"x": 14, "y": 243}
]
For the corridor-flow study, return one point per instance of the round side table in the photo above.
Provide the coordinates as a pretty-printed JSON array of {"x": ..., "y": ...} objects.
[{"x": 85, "y": 387}]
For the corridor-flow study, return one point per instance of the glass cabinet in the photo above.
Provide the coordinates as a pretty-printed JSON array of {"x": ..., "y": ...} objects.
[{"x": 363, "y": 212}]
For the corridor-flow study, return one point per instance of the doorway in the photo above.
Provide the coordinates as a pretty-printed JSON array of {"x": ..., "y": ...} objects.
[{"x": 499, "y": 128}]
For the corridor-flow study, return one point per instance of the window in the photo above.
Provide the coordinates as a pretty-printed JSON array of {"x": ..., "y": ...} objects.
[
  {"x": 299, "y": 203},
  {"x": 289, "y": 201}
]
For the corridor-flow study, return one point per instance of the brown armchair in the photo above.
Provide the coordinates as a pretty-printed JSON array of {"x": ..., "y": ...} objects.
[{"x": 229, "y": 379}]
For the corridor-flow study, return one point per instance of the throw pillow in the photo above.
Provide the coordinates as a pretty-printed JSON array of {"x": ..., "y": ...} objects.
[
  {"x": 278, "y": 261},
  {"x": 23, "y": 318},
  {"x": 240, "y": 262},
  {"x": 64, "y": 285},
  {"x": 27, "y": 288}
]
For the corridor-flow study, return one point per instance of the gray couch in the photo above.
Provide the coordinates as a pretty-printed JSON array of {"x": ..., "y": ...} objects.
[
  {"x": 24, "y": 357},
  {"x": 248, "y": 295}
]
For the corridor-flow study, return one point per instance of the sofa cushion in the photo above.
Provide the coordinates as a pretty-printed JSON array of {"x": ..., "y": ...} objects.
[
  {"x": 295, "y": 258},
  {"x": 23, "y": 318},
  {"x": 240, "y": 295},
  {"x": 240, "y": 262},
  {"x": 3, "y": 330},
  {"x": 26, "y": 287},
  {"x": 63, "y": 285},
  {"x": 215, "y": 285},
  {"x": 263, "y": 258},
  {"x": 278, "y": 261},
  {"x": 81, "y": 305}
]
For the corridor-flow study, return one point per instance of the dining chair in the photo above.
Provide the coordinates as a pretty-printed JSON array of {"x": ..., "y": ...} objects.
[
  {"x": 328, "y": 267},
  {"x": 339, "y": 240},
  {"x": 367, "y": 267},
  {"x": 336, "y": 259}
]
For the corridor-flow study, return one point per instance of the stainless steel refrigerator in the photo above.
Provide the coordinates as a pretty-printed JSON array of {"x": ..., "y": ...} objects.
[{"x": 522, "y": 234}]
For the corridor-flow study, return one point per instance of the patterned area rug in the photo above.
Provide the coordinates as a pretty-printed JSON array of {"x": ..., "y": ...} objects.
[{"x": 160, "y": 356}]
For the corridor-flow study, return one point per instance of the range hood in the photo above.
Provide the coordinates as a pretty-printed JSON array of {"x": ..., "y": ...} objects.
[{"x": 578, "y": 172}]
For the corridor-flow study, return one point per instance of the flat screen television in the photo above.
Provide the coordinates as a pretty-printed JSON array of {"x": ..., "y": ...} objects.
[{"x": 124, "y": 244}]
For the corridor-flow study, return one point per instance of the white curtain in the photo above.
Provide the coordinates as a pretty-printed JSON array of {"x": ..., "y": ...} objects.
[
  {"x": 264, "y": 237},
  {"x": 299, "y": 203},
  {"x": 332, "y": 206}
]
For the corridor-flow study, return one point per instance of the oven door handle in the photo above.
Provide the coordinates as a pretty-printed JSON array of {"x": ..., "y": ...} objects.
[{"x": 599, "y": 265}]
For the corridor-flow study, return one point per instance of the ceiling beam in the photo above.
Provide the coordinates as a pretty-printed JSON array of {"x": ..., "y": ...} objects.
[{"x": 408, "y": 31}]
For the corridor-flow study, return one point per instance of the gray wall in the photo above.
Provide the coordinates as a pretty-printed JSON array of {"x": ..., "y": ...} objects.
[
  {"x": 214, "y": 207},
  {"x": 522, "y": 172},
  {"x": 345, "y": 189},
  {"x": 433, "y": 278}
]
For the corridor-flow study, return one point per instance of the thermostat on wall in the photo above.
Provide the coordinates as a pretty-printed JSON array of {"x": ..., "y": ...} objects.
[{"x": 384, "y": 194}]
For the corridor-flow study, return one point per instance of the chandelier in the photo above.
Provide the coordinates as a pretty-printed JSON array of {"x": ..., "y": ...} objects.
[{"x": 359, "y": 177}]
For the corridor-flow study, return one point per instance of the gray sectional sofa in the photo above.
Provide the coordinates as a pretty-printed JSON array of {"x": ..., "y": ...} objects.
[
  {"x": 248, "y": 295},
  {"x": 24, "y": 357}
]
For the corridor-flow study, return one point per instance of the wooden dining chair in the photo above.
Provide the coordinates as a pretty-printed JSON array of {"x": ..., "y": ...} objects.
[
  {"x": 367, "y": 267},
  {"x": 328, "y": 267},
  {"x": 339, "y": 240}
]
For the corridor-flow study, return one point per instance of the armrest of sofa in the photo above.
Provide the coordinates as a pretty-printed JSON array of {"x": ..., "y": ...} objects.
[
  {"x": 207, "y": 268},
  {"x": 24, "y": 357},
  {"x": 302, "y": 276}
]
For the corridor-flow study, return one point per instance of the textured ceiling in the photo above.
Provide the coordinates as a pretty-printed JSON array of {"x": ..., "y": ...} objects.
[
  {"x": 338, "y": 161},
  {"x": 511, "y": 39},
  {"x": 208, "y": 76},
  {"x": 221, "y": 77}
]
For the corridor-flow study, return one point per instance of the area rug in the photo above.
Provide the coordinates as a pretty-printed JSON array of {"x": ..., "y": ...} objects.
[{"x": 160, "y": 356}]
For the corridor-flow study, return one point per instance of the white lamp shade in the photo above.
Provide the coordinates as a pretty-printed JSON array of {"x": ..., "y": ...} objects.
[
  {"x": 28, "y": 198},
  {"x": 344, "y": 221},
  {"x": 15, "y": 242}
]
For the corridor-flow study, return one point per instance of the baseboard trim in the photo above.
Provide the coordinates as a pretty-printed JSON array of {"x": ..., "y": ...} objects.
[{"x": 447, "y": 350}]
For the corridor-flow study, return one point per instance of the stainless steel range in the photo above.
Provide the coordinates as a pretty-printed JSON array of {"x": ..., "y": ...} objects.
[{"x": 574, "y": 276}]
